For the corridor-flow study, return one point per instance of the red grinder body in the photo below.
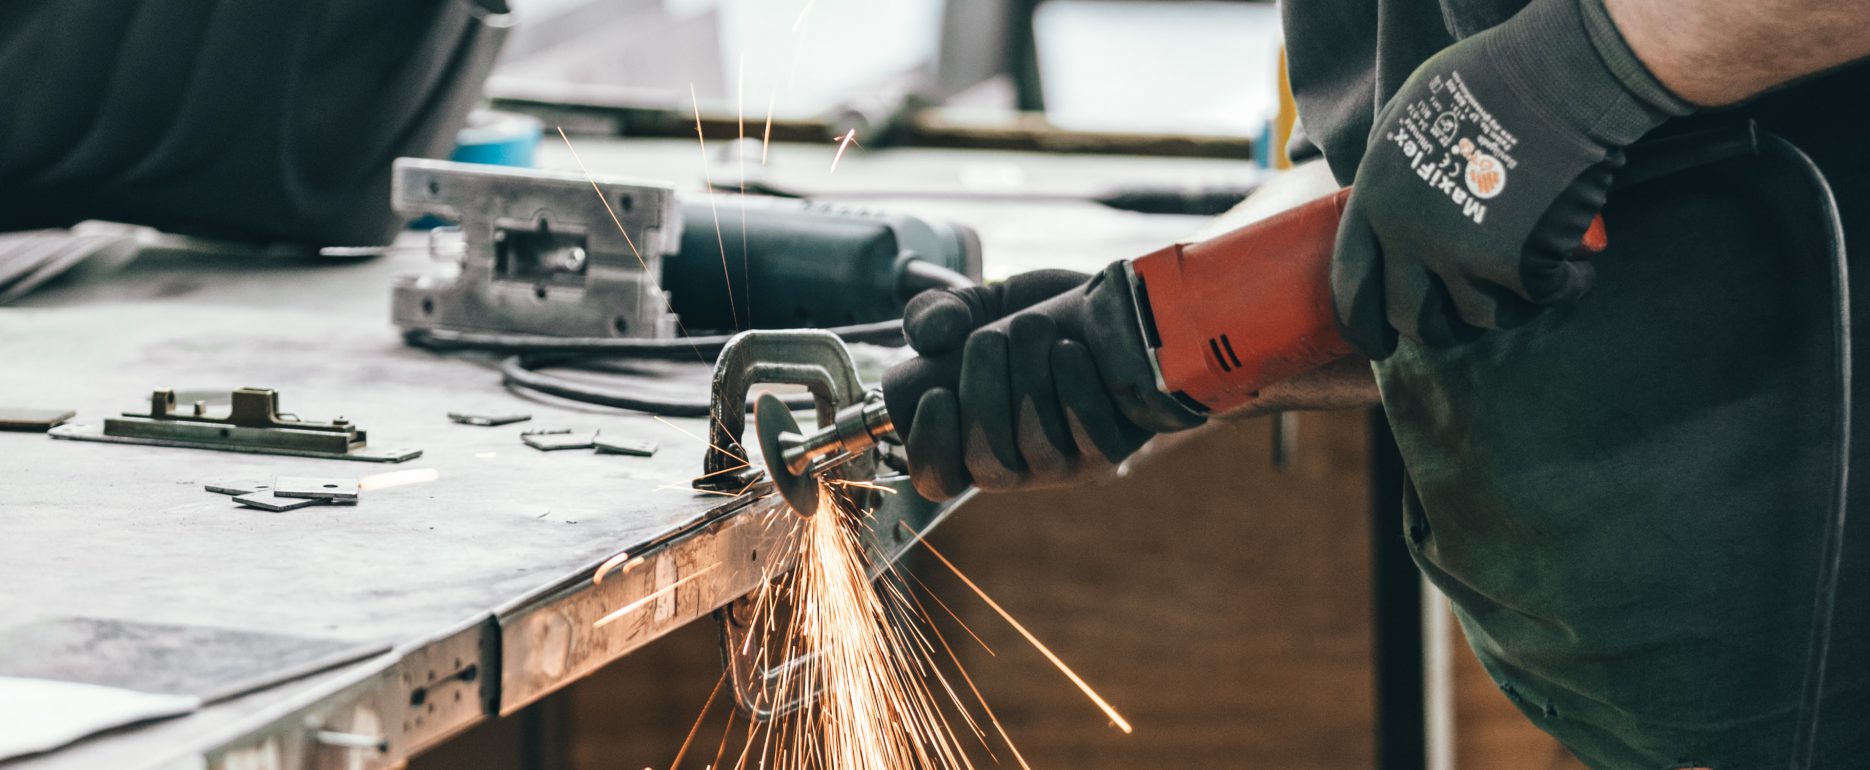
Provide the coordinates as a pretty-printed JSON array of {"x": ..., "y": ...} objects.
[{"x": 1232, "y": 314}]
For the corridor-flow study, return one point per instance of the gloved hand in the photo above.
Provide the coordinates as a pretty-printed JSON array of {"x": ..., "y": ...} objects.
[
  {"x": 1041, "y": 380},
  {"x": 1482, "y": 175}
]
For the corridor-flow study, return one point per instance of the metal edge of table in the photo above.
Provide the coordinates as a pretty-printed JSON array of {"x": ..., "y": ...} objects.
[
  {"x": 496, "y": 663},
  {"x": 370, "y": 718},
  {"x": 552, "y": 640}
]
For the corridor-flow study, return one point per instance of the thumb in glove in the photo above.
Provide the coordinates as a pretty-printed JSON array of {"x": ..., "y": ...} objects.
[{"x": 939, "y": 321}]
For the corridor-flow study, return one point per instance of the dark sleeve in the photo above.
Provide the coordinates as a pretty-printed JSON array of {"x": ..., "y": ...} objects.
[
  {"x": 269, "y": 121},
  {"x": 1345, "y": 58}
]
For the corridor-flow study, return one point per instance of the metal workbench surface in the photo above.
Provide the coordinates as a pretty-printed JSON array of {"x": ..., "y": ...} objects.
[{"x": 459, "y": 598}]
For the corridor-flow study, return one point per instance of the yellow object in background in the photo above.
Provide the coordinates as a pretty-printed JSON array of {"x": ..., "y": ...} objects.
[{"x": 1284, "y": 119}]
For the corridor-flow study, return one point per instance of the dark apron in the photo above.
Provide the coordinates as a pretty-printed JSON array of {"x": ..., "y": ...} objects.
[{"x": 1625, "y": 499}]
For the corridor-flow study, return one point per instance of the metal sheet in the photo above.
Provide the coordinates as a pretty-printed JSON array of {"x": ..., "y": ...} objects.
[
  {"x": 552, "y": 442},
  {"x": 33, "y": 420},
  {"x": 208, "y": 663},
  {"x": 487, "y": 420},
  {"x": 272, "y": 501},
  {"x": 617, "y": 445},
  {"x": 236, "y": 487},
  {"x": 337, "y": 490}
]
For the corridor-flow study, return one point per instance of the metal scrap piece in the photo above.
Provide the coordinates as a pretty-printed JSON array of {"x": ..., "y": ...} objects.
[
  {"x": 235, "y": 487},
  {"x": 634, "y": 447},
  {"x": 548, "y": 442},
  {"x": 487, "y": 420},
  {"x": 343, "y": 491},
  {"x": 252, "y": 424},
  {"x": 267, "y": 501},
  {"x": 33, "y": 420}
]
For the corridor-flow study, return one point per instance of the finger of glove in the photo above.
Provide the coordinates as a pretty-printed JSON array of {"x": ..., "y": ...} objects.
[
  {"x": 1559, "y": 281},
  {"x": 1103, "y": 435},
  {"x": 936, "y": 466},
  {"x": 1421, "y": 309},
  {"x": 1486, "y": 305},
  {"x": 939, "y": 321},
  {"x": 987, "y": 430},
  {"x": 1357, "y": 287},
  {"x": 1044, "y": 439},
  {"x": 1548, "y": 272}
]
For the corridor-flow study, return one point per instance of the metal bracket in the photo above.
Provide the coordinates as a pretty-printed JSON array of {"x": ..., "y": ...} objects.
[
  {"x": 819, "y": 361},
  {"x": 542, "y": 252},
  {"x": 252, "y": 424},
  {"x": 813, "y": 358}
]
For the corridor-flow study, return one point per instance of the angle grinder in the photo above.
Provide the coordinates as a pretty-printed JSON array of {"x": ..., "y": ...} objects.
[{"x": 1264, "y": 289}]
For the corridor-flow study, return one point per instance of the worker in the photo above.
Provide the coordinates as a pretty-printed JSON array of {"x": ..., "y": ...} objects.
[{"x": 1619, "y": 470}]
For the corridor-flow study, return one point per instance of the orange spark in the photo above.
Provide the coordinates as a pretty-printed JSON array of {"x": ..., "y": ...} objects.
[
  {"x": 719, "y": 472},
  {"x": 698, "y": 718},
  {"x": 991, "y": 717},
  {"x": 951, "y": 613},
  {"x": 1122, "y": 724},
  {"x": 657, "y": 594},
  {"x": 874, "y": 712},
  {"x": 707, "y": 179},
  {"x": 862, "y": 485},
  {"x": 626, "y": 233},
  {"x": 696, "y": 490},
  {"x": 601, "y": 199},
  {"x": 850, "y": 138},
  {"x": 766, "y": 139},
  {"x": 855, "y": 655},
  {"x": 740, "y": 155},
  {"x": 700, "y": 439}
]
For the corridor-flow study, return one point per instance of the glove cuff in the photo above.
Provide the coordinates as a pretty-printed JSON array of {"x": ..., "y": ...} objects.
[
  {"x": 1623, "y": 63},
  {"x": 1568, "y": 58},
  {"x": 1114, "y": 329}
]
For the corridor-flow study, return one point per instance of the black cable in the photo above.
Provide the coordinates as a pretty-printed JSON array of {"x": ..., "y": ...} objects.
[
  {"x": 920, "y": 275},
  {"x": 532, "y": 352},
  {"x": 515, "y": 372},
  {"x": 1831, "y": 556},
  {"x": 1663, "y": 157},
  {"x": 703, "y": 349}
]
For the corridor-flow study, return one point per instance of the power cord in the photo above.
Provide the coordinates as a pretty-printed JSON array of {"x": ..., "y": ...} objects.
[
  {"x": 531, "y": 353},
  {"x": 1660, "y": 158},
  {"x": 1831, "y": 556}
]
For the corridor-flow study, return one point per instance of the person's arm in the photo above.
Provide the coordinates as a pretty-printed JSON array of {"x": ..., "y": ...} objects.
[{"x": 1719, "y": 52}]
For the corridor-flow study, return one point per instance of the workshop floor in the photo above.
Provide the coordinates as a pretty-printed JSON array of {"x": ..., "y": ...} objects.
[{"x": 1233, "y": 629}]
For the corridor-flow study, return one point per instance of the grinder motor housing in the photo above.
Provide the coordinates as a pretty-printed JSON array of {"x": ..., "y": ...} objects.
[{"x": 540, "y": 253}]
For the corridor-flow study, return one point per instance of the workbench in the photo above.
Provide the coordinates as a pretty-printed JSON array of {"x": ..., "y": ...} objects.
[{"x": 429, "y": 606}]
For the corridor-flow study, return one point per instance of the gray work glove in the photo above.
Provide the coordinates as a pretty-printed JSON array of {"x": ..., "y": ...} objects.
[
  {"x": 1041, "y": 380},
  {"x": 1482, "y": 175}
]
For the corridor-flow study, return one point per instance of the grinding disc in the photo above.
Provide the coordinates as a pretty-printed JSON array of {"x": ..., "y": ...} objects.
[{"x": 771, "y": 418}]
